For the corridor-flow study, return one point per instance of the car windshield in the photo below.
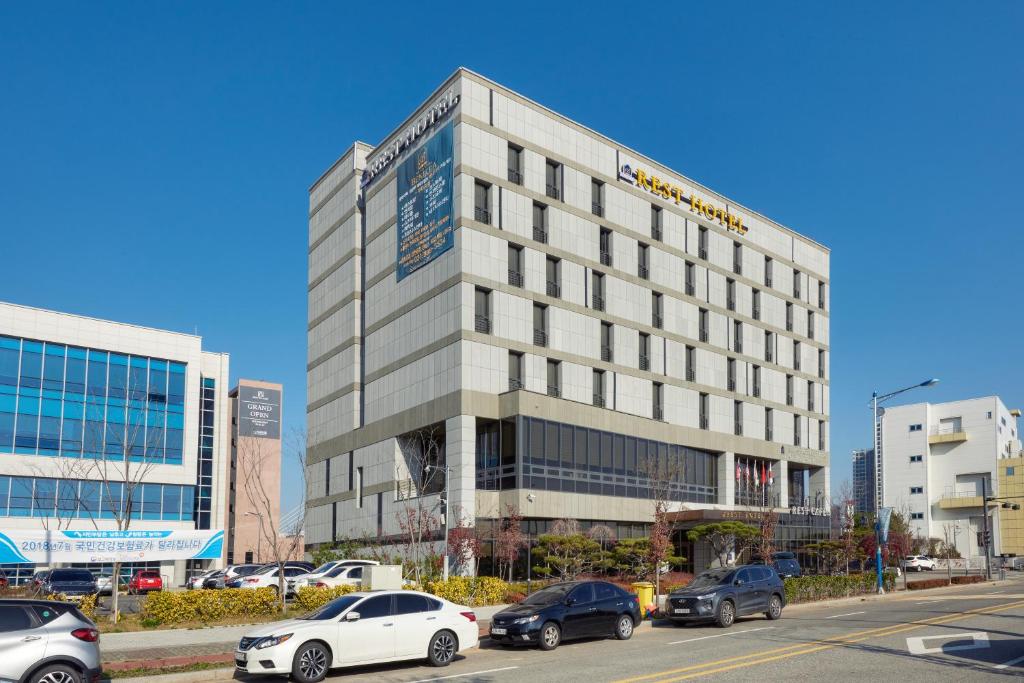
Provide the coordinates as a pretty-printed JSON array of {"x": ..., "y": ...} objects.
[
  {"x": 549, "y": 596},
  {"x": 325, "y": 567},
  {"x": 708, "y": 579},
  {"x": 340, "y": 569},
  {"x": 71, "y": 575},
  {"x": 266, "y": 570},
  {"x": 334, "y": 608}
]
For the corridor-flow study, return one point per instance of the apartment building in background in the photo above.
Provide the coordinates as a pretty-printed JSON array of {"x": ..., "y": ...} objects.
[
  {"x": 940, "y": 457},
  {"x": 863, "y": 461},
  {"x": 79, "y": 394},
  {"x": 550, "y": 315}
]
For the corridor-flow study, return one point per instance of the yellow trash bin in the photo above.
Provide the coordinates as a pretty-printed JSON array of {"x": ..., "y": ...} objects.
[{"x": 645, "y": 593}]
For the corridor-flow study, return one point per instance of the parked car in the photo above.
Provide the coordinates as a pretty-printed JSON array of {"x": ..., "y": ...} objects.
[
  {"x": 267, "y": 577},
  {"x": 47, "y": 642},
  {"x": 784, "y": 563},
  {"x": 217, "y": 579},
  {"x": 341, "y": 575},
  {"x": 358, "y": 629},
  {"x": 325, "y": 569},
  {"x": 145, "y": 581},
  {"x": 35, "y": 584},
  {"x": 918, "y": 563},
  {"x": 105, "y": 584},
  {"x": 721, "y": 595},
  {"x": 573, "y": 609},
  {"x": 74, "y": 583},
  {"x": 3, "y": 579},
  {"x": 196, "y": 582}
]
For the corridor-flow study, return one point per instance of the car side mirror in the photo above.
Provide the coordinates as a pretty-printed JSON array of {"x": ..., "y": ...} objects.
[
  {"x": 352, "y": 616},
  {"x": 738, "y": 582},
  {"x": 569, "y": 602}
]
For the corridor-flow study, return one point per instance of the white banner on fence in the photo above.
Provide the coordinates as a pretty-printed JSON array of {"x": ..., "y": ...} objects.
[{"x": 52, "y": 547}]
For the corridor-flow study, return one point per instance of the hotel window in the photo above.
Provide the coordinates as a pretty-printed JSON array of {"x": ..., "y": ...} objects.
[
  {"x": 540, "y": 223},
  {"x": 821, "y": 435},
  {"x": 515, "y": 265},
  {"x": 789, "y": 390},
  {"x": 755, "y": 305},
  {"x": 810, "y": 324},
  {"x": 756, "y": 380},
  {"x": 656, "y": 310},
  {"x": 552, "y": 270},
  {"x": 482, "y": 304},
  {"x": 796, "y": 355},
  {"x": 916, "y": 515},
  {"x": 1009, "y": 471},
  {"x": 737, "y": 336},
  {"x": 796, "y": 430},
  {"x": 606, "y": 342},
  {"x": 730, "y": 366},
  {"x": 737, "y": 258},
  {"x": 515, "y": 164},
  {"x": 597, "y": 295},
  {"x": 691, "y": 279},
  {"x": 482, "y": 202},
  {"x": 554, "y": 378},
  {"x": 596, "y": 197},
  {"x": 821, "y": 295},
  {"x": 767, "y": 271},
  {"x": 914, "y": 490},
  {"x": 730, "y": 294},
  {"x": 644, "y": 359},
  {"x": 691, "y": 364},
  {"x": 327, "y": 477},
  {"x": 702, "y": 411},
  {"x": 703, "y": 325},
  {"x": 916, "y": 458},
  {"x": 643, "y": 260},
  {"x": 599, "y": 388},
  {"x": 553, "y": 178},
  {"x": 359, "y": 487},
  {"x": 789, "y": 316},
  {"x": 540, "y": 325},
  {"x": 821, "y": 362},
  {"x": 515, "y": 371},
  {"x": 606, "y": 246},
  {"x": 769, "y": 347},
  {"x": 655, "y": 223},
  {"x": 737, "y": 417},
  {"x": 810, "y": 396},
  {"x": 796, "y": 284},
  {"x": 768, "y": 419},
  {"x": 915, "y": 428},
  {"x": 657, "y": 398},
  {"x": 702, "y": 243}
]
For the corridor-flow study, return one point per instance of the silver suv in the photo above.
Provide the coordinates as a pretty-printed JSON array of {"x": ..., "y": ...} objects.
[{"x": 47, "y": 642}]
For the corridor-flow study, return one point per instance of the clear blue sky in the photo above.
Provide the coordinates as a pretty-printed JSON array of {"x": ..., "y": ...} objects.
[{"x": 157, "y": 158}]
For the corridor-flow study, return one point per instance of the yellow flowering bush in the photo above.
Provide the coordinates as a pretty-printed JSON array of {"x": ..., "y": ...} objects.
[
  {"x": 309, "y": 598},
  {"x": 470, "y": 591},
  {"x": 175, "y": 607}
]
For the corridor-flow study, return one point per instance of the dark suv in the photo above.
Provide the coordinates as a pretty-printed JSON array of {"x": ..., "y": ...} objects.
[{"x": 721, "y": 595}]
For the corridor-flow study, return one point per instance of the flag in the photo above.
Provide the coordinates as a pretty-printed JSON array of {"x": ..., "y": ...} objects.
[
  {"x": 771, "y": 477},
  {"x": 738, "y": 474},
  {"x": 757, "y": 482},
  {"x": 764, "y": 474}
]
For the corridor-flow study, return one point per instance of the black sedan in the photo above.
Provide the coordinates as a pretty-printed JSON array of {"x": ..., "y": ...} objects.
[
  {"x": 721, "y": 595},
  {"x": 574, "y": 609}
]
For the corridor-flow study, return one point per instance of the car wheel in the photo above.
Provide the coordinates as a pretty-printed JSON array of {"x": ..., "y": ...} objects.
[
  {"x": 442, "y": 648},
  {"x": 550, "y": 636},
  {"x": 310, "y": 663},
  {"x": 774, "y": 608},
  {"x": 274, "y": 588},
  {"x": 56, "y": 673},
  {"x": 624, "y": 627},
  {"x": 726, "y": 614}
]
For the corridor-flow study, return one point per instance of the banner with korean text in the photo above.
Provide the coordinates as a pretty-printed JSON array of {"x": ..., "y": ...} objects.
[
  {"x": 48, "y": 547},
  {"x": 426, "y": 228}
]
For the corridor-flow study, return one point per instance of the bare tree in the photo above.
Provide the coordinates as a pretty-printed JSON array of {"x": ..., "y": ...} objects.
[
  {"x": 282, "y": 538},
  {"x": 420, "y": 477},
  {"x": 509, "y": 540},
  {"x": 766, "y": 534},
  {"x": 464, "y": 544},
  {"x": 662, "y": 476}
]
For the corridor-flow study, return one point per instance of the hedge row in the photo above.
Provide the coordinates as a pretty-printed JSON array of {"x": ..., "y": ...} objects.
[
  {"x": 309, "y": 598},
  {"x": 926, "y": 583},
  {"x": 175, "y": 607},
  {"x": 970, "y": 578},
  {"x": 472, "y": 591},
  {"x": 812, "y": 588}
]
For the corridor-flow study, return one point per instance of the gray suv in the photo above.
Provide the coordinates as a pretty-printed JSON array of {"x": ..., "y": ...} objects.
[{"x": 47, "y": 642}]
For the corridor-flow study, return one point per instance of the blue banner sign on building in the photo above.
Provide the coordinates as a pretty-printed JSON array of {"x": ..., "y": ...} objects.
[
  {"x": 426, "y": 227},
  {"x": 48, "y": 547}
]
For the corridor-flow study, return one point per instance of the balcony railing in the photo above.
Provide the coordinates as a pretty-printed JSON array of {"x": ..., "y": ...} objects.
[
  {"x": 554, "y": 289},
  {"x": 796, "y": 439},
  {"x": 514, "y": 384},
  {"x": 554, "y": 191},
  {"x": 482, "y": 215},
  {"x": 768, "y": 435},
  {"x": 645, "y": 361},
  {"x": 483, "y": 324},
  {"x": 655, "y": 233},
  {"x": 540, "y": 235},
  {"x": 789, "y": 324},
  {"x": 789, "y": 398},
  {"x": 540, "y": 337},
  {"x": 768, "y": 355},
  {"x": 767, "y": 281},
  {"x": 599, "y": 400},
  {"x": 756, "y": 497},
  {"x": 597, "y": 301},
  {"x": 641, "y": 270},
  {"x": 691, "y": 375},
  {"x": 597, "y": 209},
  {"x": 656, "y": 320},
  {"x": 659, "y": 413},
  {"x": 515, "y": 278},
  {"x": 732, "y": 383},
  {"x": 737, "y": 267},
  {"x": 730, "y": 303},
  {"x": 606, "y": 258},
  {"x": 704, "y": 335},
  {"x": 810, "y": 404},
  {"x": 702, "y": 252},
  {"x": 515, "y": 176},
  {"x": 810, "y": 331},
  {"x": 738, "y": 429},
  {"x": 691, "y": 289},
  {"x": 756, "y": 390},
  {"x": 796, "y": 363},
  {"x": 703, "y": 421},
  {"x": 606, "y": 354},
  {"x": 756, "y": 312},
  {"x": 554, "y": 390},
  {"x": 738, "y": 345}
]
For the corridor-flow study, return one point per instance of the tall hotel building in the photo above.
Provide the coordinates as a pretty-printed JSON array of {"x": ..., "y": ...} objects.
[
  {"x": 557, "y": 313},
  {"x": 78, "y": 396}
]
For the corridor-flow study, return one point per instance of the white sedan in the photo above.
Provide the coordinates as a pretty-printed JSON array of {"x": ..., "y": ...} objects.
[
  {"x": 331, "y": 570},
  {"x": 358, "y": 629},
  {"x": 918, "y": 563}
]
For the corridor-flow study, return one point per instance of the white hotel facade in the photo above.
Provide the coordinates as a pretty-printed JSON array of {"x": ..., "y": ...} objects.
[{"x": 598, "y": 311}]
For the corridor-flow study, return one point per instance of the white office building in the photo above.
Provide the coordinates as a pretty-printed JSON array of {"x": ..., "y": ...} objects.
[
  {"x": 938, "y": 458},
  {"x": 556, "y": 311}
]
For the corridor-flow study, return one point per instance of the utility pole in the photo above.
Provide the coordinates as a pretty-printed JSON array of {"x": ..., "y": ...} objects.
[{"x": 985, "y": 535}]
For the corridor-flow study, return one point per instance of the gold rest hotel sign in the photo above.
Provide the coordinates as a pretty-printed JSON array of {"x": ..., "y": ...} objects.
[{"x": 666, "y": 190}]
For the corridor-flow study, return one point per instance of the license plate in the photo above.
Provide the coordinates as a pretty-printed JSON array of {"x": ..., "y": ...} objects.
[
  {"x": 680, "y": 610},
  {"x": 499, "y": 631}
]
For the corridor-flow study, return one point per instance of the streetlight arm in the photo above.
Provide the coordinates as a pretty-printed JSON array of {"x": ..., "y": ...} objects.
[{"x": 886, "y": 397}]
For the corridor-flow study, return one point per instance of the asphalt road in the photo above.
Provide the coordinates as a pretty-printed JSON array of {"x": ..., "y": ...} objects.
[{"x": 967, "y": 633}]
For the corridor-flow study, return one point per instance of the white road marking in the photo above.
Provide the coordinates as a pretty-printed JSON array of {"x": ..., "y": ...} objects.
[
  {"x": 722, "y": 635},
  {"x": 979, "y": 641},
  {"x": 1010, "y": 663},
  {"x": 471, "y": 673},
  {"x": 993, "y": 593},
  {"x": 850, "y": 614},
  {"x": 927, "y": 602}
]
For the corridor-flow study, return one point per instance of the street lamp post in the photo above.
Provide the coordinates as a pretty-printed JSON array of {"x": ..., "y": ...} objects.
[
  {"x": 876, "y": 439},
  {"x": 444, "y": 512}
]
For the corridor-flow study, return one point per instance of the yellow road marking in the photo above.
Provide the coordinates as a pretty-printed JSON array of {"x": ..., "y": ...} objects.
[{"x": 809, "y": 647}]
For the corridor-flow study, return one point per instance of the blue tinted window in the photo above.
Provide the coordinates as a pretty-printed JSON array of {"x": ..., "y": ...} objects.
[
  {"x": 45, "y": 498},
  {"x": 172, "y": 502},
  {"x": 21, "y": 497},
  {"x": 6, "y": 430},
  {"x": 118, "y": 378},
  {"x": 176, "y": 385},
  {"x": 75, "y": 375},
  {"x": 110, "y": 499},
  {"x": 137, "y": 376},
  {"x": 97, "y": 378},
  {"x": 152, "y": 500},
  {"x": 5, "y": 487},
  {"x": 89, "y": 500},
  {"x": 31, "y": 365},
  {"x": 53, "y": 368},
  {"x": 157, "y": 382},
  {"x": 67, "y": 497}
]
